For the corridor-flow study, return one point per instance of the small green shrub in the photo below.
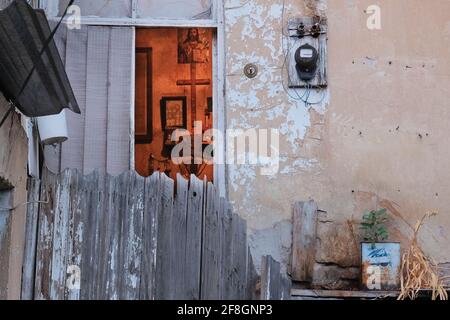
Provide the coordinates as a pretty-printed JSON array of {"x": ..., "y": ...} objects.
[{"x": 374, "y": 227}]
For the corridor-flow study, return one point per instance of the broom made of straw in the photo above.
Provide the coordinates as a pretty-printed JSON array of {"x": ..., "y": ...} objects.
[{"x": 418, "y": 272}]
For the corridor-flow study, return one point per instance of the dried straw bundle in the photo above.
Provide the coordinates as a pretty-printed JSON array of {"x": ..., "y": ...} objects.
[{"x": 418, "y": 272}]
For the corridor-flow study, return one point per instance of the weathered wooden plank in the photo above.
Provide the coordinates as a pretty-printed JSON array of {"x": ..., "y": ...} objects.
[
  {"x": 124, "y": 181},
  {"x": 304, "y": 234},
  {"x": 44, "y": 251},
  {"x": 72, "y": 289},
  {"x": 218, "y": 234},
  {"x": 89, "y": 250},
  {"x": 251, "y": 278},
  {"x": 60, "y": 235},
  {"x": 103, "y": 239},
  {"x": 194, "y": 238},
  {"x": 222, "y": 245},
  {"x": 227, "y": 254},
  {"x": 265, "y": 278},
  {"x": 80, "y": 238},
  {"x": 6, "y": 203},
  {"x": 341, "y": 294},
  {"x": 33, "y": 188},
  {"x": 270, "y": 279},
  {"x": 150, "y": 236},
  {"x": 132, "y": 237},
  {"x": 178, "y": 243},
  {"x": 119, "y": 96},
  {"x": 116, "y": 200},
  {"x": 164, "y": 279},
  {"x": 274, "y": 285},
  {"x": 211, "y": 247},
  {"x": 233, "y": 285},
  {"x": 240, "y": 251},
  {"x": 235, "y": 256},
  {"x": 95, "y": 139},
  {"x": 286, "y": 287},
  {"x": 98, "y": 204}
]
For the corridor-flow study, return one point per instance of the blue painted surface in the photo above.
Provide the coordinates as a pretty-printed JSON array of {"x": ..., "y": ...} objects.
[{"x": 381, "y": 264}]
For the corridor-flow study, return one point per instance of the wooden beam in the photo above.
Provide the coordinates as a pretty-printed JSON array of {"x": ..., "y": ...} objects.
[
  {"x": 304, "y": 234},
  {"x": 341, "y": 294},
  {"x": 31, "y": 238},
  {"x": 198, "y": 82}
]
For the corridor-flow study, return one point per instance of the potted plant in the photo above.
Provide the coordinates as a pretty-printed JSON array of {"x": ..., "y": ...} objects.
[{"x": 380, "y": 259}]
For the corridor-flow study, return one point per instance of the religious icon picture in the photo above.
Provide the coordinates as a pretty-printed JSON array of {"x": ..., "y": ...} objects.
[
  {"x": 193, "y": 46},
  {"x": 174, "y": 113},
  {"x": 173, "y": 117}
]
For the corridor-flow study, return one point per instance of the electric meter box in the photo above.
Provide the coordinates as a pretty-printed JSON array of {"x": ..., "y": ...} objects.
[{"x": 305, "y": 32}]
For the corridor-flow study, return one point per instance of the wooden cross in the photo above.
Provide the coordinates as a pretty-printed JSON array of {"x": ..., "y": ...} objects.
[{"x": 194, "y": 82}]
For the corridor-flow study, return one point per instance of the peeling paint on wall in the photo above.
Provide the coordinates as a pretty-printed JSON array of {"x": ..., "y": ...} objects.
[
  {"x": 381, "y": 130},
  {"x": 256, "y": 34}
]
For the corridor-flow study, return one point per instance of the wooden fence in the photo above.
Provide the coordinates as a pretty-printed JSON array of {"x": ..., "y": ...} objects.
[
  {"x": 274, "y": 285},
  {"x": 129, "y": 237}
]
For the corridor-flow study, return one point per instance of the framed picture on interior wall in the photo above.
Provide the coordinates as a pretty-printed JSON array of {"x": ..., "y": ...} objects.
[
  {"x": 174, "y": 113},
  {"x": 193, "y": 45},
  {"x": 144, "y": 96}
]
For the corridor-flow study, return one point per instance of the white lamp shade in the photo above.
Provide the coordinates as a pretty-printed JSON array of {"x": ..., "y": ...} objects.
[{"x": 53, "y": 129}]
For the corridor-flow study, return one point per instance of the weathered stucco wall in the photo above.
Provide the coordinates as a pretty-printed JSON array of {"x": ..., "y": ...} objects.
[
  {"x": 13, "y": 167},
  {"x": 379, "y": 139}
]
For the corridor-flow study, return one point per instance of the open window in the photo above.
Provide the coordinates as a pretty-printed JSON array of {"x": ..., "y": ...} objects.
[{"x": 173, "y": 101}]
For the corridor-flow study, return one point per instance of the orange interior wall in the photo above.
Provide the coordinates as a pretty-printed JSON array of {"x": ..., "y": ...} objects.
[{"x": 166, "y": 72}]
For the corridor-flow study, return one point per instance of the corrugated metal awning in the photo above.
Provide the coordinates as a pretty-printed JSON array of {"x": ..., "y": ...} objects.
[{"x": 24, "y": 32}]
